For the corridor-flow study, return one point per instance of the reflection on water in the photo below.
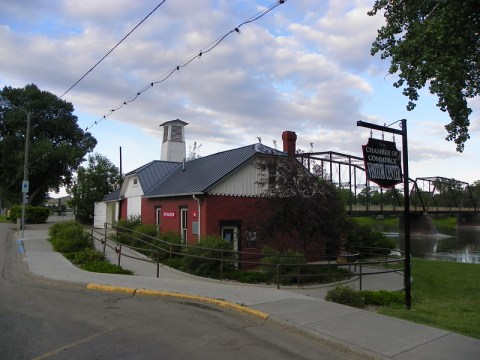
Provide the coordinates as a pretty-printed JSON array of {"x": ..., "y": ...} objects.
[{"x": 459, "y": 245}]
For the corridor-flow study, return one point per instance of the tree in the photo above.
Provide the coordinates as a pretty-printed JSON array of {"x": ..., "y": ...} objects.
[
  {"x": 93, "y": 183},
  {"x": 57, "y": 144},
  {"x": 434, "y": 42},
  {"x": 300, "y": 203}
]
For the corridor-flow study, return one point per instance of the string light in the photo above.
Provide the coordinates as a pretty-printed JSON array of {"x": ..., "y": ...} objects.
[{"x": 187, "y": 61}]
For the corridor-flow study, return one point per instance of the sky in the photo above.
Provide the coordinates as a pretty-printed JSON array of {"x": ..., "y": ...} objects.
[{"x": 305, "y": 66}]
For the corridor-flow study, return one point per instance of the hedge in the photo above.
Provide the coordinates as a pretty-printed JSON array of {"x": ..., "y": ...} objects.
[{"x": 33, "y": 214}]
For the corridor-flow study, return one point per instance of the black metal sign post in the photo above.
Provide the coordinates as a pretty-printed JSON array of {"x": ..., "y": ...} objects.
[{"x": 406, "y": 194}]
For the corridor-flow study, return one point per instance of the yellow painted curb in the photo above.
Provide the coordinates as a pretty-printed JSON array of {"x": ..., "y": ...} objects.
[
  {"x": 111, "y": 288},
  {"x": 222, "y": 303}
]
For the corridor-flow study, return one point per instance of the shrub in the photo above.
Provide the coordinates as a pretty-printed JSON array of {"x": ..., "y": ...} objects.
[
  {"x": 288, "y": 260},
  {"x": 86, "y": 256},
  {"x": 68, "y": 237},
  {"x": 125, "y": 229},
  {"x": 206, "y": 257},
  {"x": 346, "y": 296},
  {"x": 250, "y": 277},
  {"x": 105, "y": 267},
  {"x": 383, "y": 297},
  {"x": 168, "y": 243},
  {"x": 363, "y": 236},
  {"x": 33, "y": 214},
  {"x": 144, "y": 234}
]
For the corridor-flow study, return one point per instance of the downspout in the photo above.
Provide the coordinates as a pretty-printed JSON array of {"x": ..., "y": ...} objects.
[{"x": 199, "y": 223}]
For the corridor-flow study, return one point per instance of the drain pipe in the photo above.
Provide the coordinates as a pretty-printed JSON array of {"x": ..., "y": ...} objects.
[{"x": 199, "y": 223}]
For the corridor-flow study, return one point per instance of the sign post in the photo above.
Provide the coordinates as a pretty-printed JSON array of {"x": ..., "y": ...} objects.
[{"x": 382, "y": 166}]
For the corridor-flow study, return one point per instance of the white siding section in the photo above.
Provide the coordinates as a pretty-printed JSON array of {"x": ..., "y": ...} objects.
[
  {"x": 100, "y": 214},
  {"x": 133, "y": 192},
  {"x": 133, "y": 189},
  {"x": 242, "y": 182},
  {"x": 134, "y": 206}
]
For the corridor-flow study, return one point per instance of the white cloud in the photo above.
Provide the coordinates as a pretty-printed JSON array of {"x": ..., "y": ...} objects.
[{"x": 305, "y": 67}]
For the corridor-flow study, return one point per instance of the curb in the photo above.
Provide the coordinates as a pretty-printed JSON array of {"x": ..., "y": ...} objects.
[{"x": 221, "y": 303}]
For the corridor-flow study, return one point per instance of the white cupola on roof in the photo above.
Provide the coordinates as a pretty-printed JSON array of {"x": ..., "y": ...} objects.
[{"x": 173, "y": 144}]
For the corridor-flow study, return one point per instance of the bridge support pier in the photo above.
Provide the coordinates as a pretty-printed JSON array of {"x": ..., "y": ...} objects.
[
  {"x": 468, "y": 220},
  {"x": 419, "y": 224}
]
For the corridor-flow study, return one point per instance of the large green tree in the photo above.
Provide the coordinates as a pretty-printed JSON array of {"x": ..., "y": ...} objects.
[
  {"x": 57, "y": 144},
  {"x": 99, "y": 178},
  {"x": 434, "y": 43}
]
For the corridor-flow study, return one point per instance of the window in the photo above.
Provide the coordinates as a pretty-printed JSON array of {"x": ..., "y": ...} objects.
[
  {"x": 165, "y": 134},
  {"x": 250, "y": 239},
  {"x": 158, "y": 217},
  {"x": 135, "y": 181},
  {"x": 176, "y": 133},
  {"x": 183, "y": 224}
]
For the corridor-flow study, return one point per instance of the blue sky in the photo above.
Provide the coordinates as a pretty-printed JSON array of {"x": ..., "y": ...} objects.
[{"x": 305, "y": 67}]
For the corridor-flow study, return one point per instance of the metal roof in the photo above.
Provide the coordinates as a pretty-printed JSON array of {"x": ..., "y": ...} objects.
[
  {"x": 154, "y": 172},
  {"x": 196, "y": 176},
  {"x": 113, "y": 196}
]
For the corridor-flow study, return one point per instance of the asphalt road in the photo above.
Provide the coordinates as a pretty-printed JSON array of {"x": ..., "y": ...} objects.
[{"x": 43, "y": 319}]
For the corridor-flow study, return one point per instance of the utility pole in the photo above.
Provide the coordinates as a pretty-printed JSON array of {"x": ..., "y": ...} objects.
[{"x": 25, "y": 184}]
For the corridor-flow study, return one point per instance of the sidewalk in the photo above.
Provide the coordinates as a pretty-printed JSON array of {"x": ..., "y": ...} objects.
[{"x": 365, "y": 333}]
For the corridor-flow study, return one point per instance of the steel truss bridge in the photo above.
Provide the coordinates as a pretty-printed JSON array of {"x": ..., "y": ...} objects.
[{"x": 427, "y": 194}]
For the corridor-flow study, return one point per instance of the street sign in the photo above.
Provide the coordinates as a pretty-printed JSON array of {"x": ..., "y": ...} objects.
[
  {"x": 382, "y": 162},
  {"x": 25, "y": 186}
]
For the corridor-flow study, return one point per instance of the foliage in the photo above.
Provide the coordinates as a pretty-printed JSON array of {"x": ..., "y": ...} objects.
[
  {"x": 33, "y": 214},
  {"x": 294, "y": 269},
  {"x": 87, "y": 255},
  {"x": 170, "y": 243},
  {"x": 57, "y": 144},
  {"x": 360, "y": 299},
  {"x": 93, "y": 183},
  {"x": 359, "y": 235},
  {"x": 131, "y": 222},
  {"x": 208, "y": 255},
  {"x": 300, "y": 203},
  {"x": 346, "y": 296},
  {"x": 69, "y": 237},
  {"x": 383, "y": 297},
  {"x": 390, "y": 197},
  {"x": 76, "y": 245},
  {"x": 194, "y": 151},
  {"x": 288, "y": 261},
  {"x": 436, "y": 43},
  {"x": 250, "y": 277},
  {"x": 105, "y": 267}
]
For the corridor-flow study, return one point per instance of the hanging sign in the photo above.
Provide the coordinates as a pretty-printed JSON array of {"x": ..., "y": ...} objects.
[{"x": 382, "y": 162}]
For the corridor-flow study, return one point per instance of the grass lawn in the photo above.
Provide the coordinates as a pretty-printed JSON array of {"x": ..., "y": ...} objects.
[{"x": 445, "y": 295}]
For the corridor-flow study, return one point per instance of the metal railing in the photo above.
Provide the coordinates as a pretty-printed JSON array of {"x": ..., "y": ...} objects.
[{"x": 286, "y": 268}]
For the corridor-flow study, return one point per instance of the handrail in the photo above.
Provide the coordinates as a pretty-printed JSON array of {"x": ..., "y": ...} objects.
[{"x": 233, "y": 258}]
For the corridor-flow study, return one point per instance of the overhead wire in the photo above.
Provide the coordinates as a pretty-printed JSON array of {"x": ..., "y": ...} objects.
[
  {"x": 105, "y": 56},
  {"x": 187, "y": 61}
]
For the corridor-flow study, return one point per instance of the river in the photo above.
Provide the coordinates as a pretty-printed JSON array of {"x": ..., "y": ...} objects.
[{"x": 450, "y": 244}]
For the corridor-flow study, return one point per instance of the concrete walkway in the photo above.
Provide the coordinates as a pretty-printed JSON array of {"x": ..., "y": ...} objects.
[{"x": 363, "y": 333}]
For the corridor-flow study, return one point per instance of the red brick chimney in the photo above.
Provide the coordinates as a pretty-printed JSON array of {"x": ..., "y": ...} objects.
[{"x": 289, "y": 142}]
